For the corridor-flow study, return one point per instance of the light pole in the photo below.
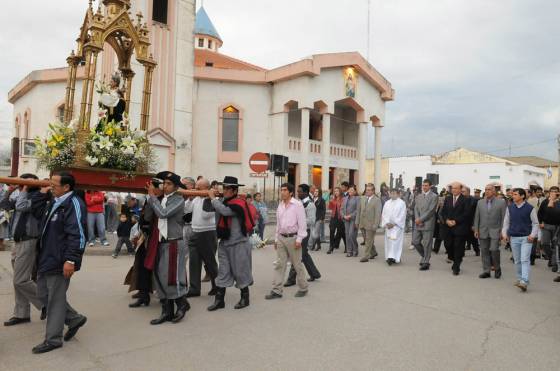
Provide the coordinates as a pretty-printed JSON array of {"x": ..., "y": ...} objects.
[{"x": 558, "y": 163}]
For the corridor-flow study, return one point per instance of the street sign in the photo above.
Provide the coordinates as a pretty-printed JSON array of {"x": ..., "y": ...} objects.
[
  {"x": 259, "y": 162},
  {"x": 259, "y": 175}
]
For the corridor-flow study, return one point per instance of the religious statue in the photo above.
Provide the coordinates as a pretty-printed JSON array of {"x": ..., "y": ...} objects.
[{"x": 112, "y": 100}]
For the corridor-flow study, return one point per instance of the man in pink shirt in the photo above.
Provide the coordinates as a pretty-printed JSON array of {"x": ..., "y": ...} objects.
[{"x": 291, "y": 229}]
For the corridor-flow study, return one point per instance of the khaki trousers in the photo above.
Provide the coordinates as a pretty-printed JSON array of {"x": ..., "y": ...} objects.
[
  {"x": 286, "y": 250},
  {"x": 370, "y": 251}
]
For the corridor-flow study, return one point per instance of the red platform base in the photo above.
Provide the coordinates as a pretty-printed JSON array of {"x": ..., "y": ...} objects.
[{"x": 97, "y": 179}]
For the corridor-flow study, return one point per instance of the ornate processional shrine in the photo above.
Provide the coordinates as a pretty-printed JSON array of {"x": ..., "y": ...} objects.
[{"x": 115, "y": 27}]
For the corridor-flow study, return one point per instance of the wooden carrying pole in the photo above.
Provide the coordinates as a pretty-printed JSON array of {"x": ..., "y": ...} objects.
[
  {"x": 46, "y": 183},
  {"x": 25, "y": 182}
]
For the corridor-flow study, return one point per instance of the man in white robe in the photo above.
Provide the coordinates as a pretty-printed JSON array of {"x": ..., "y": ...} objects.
[{"x": 393, "y": 219}]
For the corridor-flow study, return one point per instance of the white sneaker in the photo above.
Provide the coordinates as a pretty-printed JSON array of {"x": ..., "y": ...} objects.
[
  {"x": 411, "y": 247},
  {"x": 114, "y": 256},
  {"x": 105, "y": 243},
  {"x": 91, "y": 244}
]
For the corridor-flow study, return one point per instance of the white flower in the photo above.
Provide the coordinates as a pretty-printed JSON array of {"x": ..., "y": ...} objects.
[
  {"x": 138, "y": 134},
  {"x": 128, "y": 142},
  {"x": 92, "y": 160},
  {"x": 129, "y": 150},
  {"x": 105, "y": 143}
]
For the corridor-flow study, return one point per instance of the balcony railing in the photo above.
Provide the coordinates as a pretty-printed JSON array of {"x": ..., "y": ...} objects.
[{"x": 336, "y": 150}]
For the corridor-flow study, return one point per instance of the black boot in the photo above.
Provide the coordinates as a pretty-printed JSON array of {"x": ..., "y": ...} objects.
[
  {"x": 219, "y": 302},
  {"x": 244, "y": 302},
  {"x": 166, "y": 312},
  {"x": 182, "y": 307},
  {"x": 214, "y": 289},
  {"x": 143, "y": 299}
]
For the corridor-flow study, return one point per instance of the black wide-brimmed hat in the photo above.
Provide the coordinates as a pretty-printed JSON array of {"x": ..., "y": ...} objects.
[
  {"x": 171, "y": 176},
  {"x": 231, "y": 181}
]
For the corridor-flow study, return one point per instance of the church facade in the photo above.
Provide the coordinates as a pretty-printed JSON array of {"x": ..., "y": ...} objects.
[{"x": 210, "y": 112}]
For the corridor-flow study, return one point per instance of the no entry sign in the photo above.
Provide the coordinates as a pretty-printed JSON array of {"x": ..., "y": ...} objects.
[{"x": 259, "y": 162}]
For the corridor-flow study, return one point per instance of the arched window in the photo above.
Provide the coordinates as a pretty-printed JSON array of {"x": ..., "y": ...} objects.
[
  {"x": 16, "y": 127},
  {"x": 230, "y": 129},
  {"x": 60, "y": 113},
  {"x": 26, "y": 120}
]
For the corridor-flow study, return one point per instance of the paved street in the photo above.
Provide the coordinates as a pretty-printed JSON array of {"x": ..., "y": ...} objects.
[{"x": 359, "y": 316}]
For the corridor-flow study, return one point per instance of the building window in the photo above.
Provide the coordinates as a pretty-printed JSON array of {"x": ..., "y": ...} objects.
[
  {"x": 159, "y": 12},
  {"x": 17, "y": 127},
  {"x": 60, "y": 113},
  {"x": 209, "y": 44},
  {"x": 209, "y": 64},
  {"x": 201, "y": 43},
  {"x": 230, "y": 130}
]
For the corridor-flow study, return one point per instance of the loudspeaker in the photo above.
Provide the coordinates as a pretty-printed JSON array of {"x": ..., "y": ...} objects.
[
  {"x": 418, "y": 182},
  {"x": 434, "y": 178},
  {"x": 278, "y": 163}
]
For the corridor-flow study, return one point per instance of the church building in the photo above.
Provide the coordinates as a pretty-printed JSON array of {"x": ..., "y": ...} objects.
[{"x": 210, "y": 112}]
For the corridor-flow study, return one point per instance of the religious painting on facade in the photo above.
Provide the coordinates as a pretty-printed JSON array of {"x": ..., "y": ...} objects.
[{"x": 350, "y": 82}]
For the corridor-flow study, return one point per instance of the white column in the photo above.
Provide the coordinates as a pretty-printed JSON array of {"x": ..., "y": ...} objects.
[
  {"x": 362, "y": 150},
  {"x": 326, "y": 147},
  {"x": 304, "y": 165},
  {"x": 377, "y": 157}
]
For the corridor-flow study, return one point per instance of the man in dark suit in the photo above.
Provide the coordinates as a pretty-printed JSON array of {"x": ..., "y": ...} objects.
[
  {"x": 455, "y": 214},
  {"x": 471, "y": 239}
]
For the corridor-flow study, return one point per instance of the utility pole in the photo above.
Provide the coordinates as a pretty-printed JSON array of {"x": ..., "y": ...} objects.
[
  {"x": 558, "y": 163},
  {"x": 368, "y": 29}
]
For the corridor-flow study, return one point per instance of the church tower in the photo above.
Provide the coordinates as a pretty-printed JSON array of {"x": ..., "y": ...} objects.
[
  {"x": 205, "y": 35},
  {"x": 171, "y": 24}
]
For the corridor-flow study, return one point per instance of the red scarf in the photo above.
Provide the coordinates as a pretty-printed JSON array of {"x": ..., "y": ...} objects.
[
  {"x": 153, "y": 242},
  {"x": 242, "y": 211}
]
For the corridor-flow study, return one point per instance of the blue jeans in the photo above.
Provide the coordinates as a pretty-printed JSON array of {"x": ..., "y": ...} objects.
[
  {"x": 521, "y": 248},
  {"x": 96, "y": 220},
  {"x": 260, "y": 229}
]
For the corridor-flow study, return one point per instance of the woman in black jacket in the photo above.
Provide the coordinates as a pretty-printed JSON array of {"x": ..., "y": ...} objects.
[{"x": 319, "y": 219}]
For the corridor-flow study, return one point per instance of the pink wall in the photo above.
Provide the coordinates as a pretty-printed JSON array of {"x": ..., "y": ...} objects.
[{"x": 163, "y": 81}]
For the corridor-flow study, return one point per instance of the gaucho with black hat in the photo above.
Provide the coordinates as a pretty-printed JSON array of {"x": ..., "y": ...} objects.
[
  {"x": 167, "y": 252},
  {"x": 234, "y": 250}
]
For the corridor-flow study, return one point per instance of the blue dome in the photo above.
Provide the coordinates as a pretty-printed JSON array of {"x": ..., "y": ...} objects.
[{"x": 204, "y": 26}]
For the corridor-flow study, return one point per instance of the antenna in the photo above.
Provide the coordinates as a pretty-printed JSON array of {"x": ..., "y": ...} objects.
[{"x": 368, "y": 29}]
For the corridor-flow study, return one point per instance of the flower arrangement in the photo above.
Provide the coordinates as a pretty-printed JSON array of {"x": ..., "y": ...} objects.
[
  {"x": 113, "y": 145},
  {"x": 109, "y": 145},
  {"x": 57, "y": 150}
]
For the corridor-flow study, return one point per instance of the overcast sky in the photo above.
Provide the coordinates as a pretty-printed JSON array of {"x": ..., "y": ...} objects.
[{"x": 483, "y": 74}]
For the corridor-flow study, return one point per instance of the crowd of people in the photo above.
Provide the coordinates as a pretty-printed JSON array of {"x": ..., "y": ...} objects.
[{"x": 186, "y": 223}]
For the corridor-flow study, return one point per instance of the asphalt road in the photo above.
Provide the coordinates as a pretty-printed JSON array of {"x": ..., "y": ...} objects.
[{"x": 359, "y": 316}]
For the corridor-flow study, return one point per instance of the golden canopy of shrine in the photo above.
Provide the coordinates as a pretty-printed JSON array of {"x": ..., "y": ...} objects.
[{"x": 112, "y": 25}]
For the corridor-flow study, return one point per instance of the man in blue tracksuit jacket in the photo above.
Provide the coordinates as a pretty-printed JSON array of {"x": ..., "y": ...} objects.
[{"x": 61, "y": 245}]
